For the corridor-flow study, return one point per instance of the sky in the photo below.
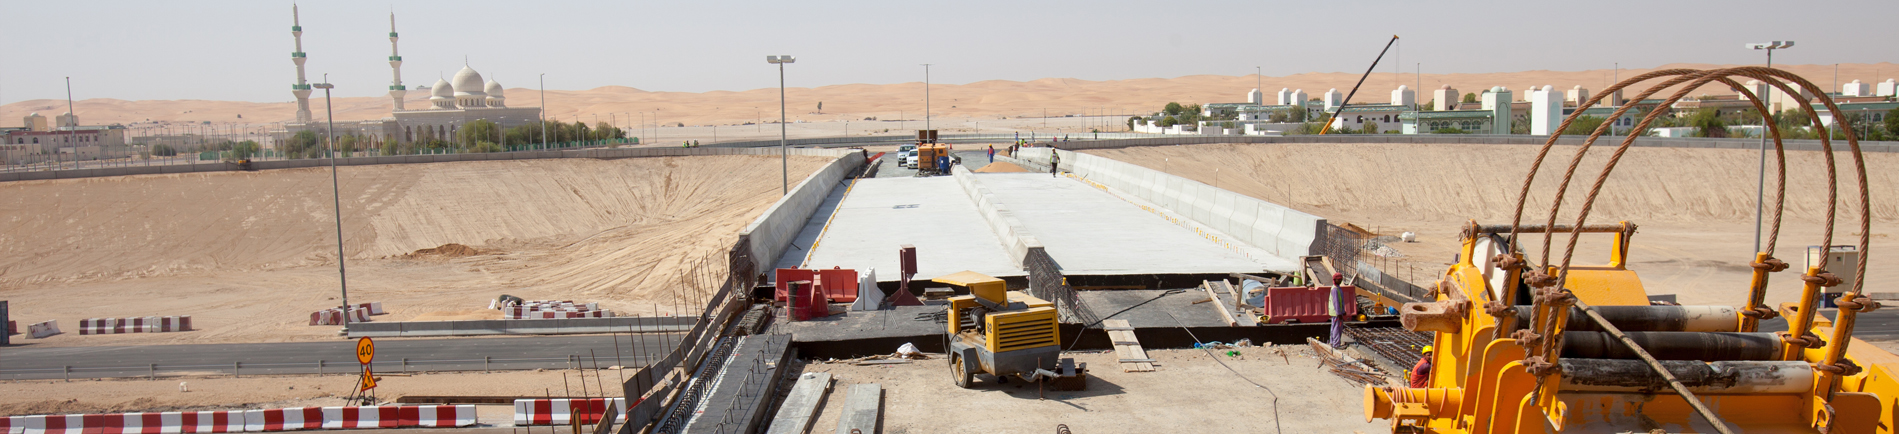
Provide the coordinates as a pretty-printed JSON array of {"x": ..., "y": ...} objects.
[{"x": 238, "y": 50}]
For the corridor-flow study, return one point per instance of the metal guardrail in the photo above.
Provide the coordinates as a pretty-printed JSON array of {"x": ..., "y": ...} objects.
[{"x": 319, "y": 367}]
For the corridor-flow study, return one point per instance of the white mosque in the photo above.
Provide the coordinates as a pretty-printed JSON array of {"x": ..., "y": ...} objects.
[{"x": 453, "y": 103}]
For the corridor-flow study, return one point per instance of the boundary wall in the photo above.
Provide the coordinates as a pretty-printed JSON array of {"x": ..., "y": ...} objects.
[
  {"x": 1279, "y": 231},
  {"x": 598, "y": 153},
  {"x": 773, "y": 231},
  {"x": 488, "y": 327}
]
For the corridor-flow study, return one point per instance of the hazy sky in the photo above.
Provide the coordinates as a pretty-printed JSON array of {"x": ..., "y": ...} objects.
[{"x": 239, "y": 49}]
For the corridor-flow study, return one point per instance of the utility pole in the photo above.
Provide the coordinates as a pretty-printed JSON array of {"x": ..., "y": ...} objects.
[
  {"x": 543, "y": 111},
  {"x": 926, "y": 96},
  {"x": 336, "y": 194},
  {"x": 784, "y": 154}
]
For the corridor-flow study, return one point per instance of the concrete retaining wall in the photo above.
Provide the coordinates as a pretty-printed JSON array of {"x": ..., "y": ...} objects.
[
  {"x": 1279, "y": 231},
  {"x": 1475, "y": 139},
  {"x": 599, "y": 153},
  {"x": 774, "y": 230},
  {"x": 1008, "y": 229},
  {"x": 522, "y": 327}
]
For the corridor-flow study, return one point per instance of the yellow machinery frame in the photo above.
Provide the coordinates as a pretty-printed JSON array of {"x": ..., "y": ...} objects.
[{"x": 1486, "y": 382}]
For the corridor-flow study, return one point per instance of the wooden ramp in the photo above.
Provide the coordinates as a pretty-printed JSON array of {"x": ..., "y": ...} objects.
[{"x": 1127, "y": 347}]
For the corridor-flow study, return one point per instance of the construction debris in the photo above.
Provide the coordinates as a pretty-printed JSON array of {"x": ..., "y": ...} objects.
[
  {"x": 1133, "y": 358},
  {"x": 1347, "y": 367},
  {"x": 1402, "y": 347}
]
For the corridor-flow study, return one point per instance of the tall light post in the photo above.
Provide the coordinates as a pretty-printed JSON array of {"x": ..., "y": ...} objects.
[
  {"x": 1760, "y": 189},
  {"x": 336, "y": 196},
  {"x": 543, "y": 111},
  {"x": 926, "y": 96},
  {"x": 783, "y": 154}
]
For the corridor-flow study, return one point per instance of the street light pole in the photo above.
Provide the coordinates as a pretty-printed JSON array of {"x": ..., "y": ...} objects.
[
  {"x": 783, "y": 153},
  {"x": 925, "y": 95},
  {"x": 543, "y": 111},
  {"x": 336, "y": 195},
  {"x": 1760, "y": 189}
]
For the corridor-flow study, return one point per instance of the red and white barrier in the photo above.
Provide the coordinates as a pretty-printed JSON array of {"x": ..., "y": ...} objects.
[
  {"x": 559, "y": 411},
  {"x": 361, "y": 417},
  {"x": 207, "y": 421},
  {"x": 334, "y": 316},
  {"x": 283, "y": 419},
  {"x": 51, "y": 424},
  {"x": 438, "y": 416},
  {"x": 558, "y": 315},
  {"x": 271, "y": 420},
  {"x": 540, "y": 309},
  {"x": 149, "y": 324},
  {"x": 43, "y": 329},
  {"x": 373, "y": 308}
]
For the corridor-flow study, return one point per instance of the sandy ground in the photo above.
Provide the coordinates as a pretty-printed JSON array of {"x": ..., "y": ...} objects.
[
  {"x": 1695, "y": 206},
  {"x": 668, "y": 117},
  {"x": 1188, "y": 392},
  {"x": 250, "y": 254},
  {"x": 251, "y": 392}
]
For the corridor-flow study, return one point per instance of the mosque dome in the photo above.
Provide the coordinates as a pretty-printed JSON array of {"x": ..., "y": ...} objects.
[
  {"x": 493, "y": 88},
  {"x": 467, "y": 82},
  {"x": 442, "y": 89}
]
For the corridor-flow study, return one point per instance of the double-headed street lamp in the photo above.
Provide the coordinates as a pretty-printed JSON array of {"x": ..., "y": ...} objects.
[
  {"x": 783, "y": 159},
  {"x": 336, "y": 195},
  {"x": 1760, "y": 190}
]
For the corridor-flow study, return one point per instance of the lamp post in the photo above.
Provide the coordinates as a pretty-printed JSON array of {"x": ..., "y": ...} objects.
[
  {"x": 336, "y": 196},
  {"x": 1760, "y": 189},
  {"x": 783, "y": 154},
  {"x": 926, "y": 96},
  {"x": 543, "y": 111}
]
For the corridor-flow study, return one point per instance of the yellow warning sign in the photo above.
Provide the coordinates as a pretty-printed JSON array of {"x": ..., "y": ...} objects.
[
  {"x": 365, "y": 350},
  {"x": 369, "y": 379}
]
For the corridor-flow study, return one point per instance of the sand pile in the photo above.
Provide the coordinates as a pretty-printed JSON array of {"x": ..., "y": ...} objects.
[
  {"x": 250, "y": 254},
  {"x": 1001, "y": 167},
  {"x": 1695, "y": 206}
]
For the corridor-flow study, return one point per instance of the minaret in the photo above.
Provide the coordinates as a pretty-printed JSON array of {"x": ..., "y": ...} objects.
[
  {"x": 301, "y": 89},
  {"x": 396, "y": 90}
]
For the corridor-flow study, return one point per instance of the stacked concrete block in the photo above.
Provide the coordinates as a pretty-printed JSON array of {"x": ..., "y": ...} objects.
[
  {"x": 43, "y": 329},
  {"x": 552, "y": 309},
  {"x": 335, "y": 316}
]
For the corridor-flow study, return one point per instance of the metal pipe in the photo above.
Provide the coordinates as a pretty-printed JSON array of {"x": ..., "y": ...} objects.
[
  {"x": 1756, "y": 293},
  {"x": 1707, "y": 346},
  {"x": 1655, "y": 318},
  {"x": 1538, "y": 228},
  {"x": 1661, "y": 370},
  {"x": 1729, "y": 377}
]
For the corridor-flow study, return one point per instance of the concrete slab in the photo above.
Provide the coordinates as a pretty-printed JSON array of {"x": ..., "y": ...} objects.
[
  {"x": 1091, "y": 232},
  {"x": 1156, "y": 308},
  {"x": 930, "y": 213}
]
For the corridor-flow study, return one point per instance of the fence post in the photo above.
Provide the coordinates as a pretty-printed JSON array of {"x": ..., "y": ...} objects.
[
  {"x": 319, "y": 367},
  {"x": 405, "y": 365},
  {"x": 154, "y": 372},
  {"x": 237, "y": 369},
  {"x": 484, "y": 363},
  {"x": 69, "y": 373}
]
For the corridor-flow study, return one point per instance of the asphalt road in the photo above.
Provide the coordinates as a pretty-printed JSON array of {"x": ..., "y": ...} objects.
[{"x": 451, "y": 354}]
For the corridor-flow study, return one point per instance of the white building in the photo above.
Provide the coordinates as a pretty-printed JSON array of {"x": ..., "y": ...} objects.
[
  {"x": 1576, "y": 95},
  {"x": 1404, "y": 96},
  {"x": 1333, "y": 99},
  {"x": 1445, "y": 98},
  {"x": 1546, "y": 110},
  {"x": 1887, "y": 88},
  {"x": 1856, "y": 89}
]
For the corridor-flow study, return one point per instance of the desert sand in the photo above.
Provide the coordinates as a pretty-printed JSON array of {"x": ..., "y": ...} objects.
[
  {"x": 1695, "y": 207},
  {"x": 979, "y": 105},
  {"x": 250, "y": 254}
]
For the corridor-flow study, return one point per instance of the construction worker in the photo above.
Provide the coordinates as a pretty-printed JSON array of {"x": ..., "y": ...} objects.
[
  {"x": 1054, "y": 161},
  {"x": 1421, "y": 373},
  {"x": 992, "y": 153},
  {"x": 1339, "y": 308}
]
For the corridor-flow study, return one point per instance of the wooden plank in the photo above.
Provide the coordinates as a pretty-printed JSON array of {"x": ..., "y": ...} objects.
[
  {"x": 863, "y": 406},
  {"x": 1217, "y": 304},
  {"x": 1127, "y": 347},
  {"x": 800, "y": 408}
]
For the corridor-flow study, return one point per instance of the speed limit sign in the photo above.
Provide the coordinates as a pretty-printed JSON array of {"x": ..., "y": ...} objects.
[{"x": 365, "y": 350}]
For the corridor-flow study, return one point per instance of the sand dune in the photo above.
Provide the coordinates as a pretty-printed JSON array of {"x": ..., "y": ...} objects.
[
  {"x": 984, "y": 99},
  {"x": 250, "y": 254}
]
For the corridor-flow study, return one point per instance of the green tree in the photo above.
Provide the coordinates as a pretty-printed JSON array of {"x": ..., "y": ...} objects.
[
  {"x": 303, "y": 144},
  {"x": 488, "y": 146},
  {"x": 603, "y": 131},
  {"x": 1131, "y": 121},
  {"x": 1173, "y": 108},
  {"x": 389, "y": 148},
  {"x": 1582, "y": 126},
  {"x": 1449, "y": 130},
  {"x": 346, "y": 145},
  {"x": 1470, "y": 97},
  {"x": 1891, "y": 123},
  {"x": 1168, "y": 122},
  {"x": 1370, "y": 128},
  {"x": 164, "y": 150},
  {"x": 1708, "y": 123},
  {"x": 480, "y": 130}
]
